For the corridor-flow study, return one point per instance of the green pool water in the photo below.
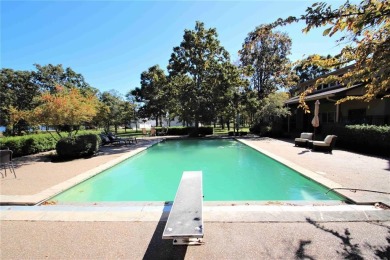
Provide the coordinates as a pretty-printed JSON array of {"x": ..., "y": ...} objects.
[{"x": 232, "y": 171}]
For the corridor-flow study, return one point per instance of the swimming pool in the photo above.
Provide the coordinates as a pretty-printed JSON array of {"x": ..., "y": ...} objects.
[{"x": 232, "y": 171}]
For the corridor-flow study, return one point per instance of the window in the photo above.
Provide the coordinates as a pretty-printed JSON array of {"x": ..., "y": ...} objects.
[
  {"x": 357, "y": 116},
  {"x": 328, "y": 117}
]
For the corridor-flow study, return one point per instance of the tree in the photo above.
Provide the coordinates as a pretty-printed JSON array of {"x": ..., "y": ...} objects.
[
  {"x": 152, "y": 93},
  {"x": 366, "y": 28},
  {"x": 266, "y": 53},
  {"x": 180, "y": 102},
  {"x": 306, "y": 70},
  {"x": 49, "y": 76},
  {"x": 199, "y": 51},
  {"x": 227, "y": 96},
  {"x": 271, "y": 109},
  {"x": 18, "y": 91},
  {"x": 65, "y": 109},
  {"x": 114, "y": 111}
]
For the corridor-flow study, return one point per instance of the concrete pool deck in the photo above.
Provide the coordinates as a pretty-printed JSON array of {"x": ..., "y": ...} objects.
[{"x": 251, "y": 231}]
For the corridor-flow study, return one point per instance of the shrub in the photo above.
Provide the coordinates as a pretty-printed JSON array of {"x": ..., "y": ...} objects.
[
  {"x": 79, "y": 146},
  {"x": 261, "y": 129},
  {"x": 362, "y": 138},
  {"x": 177, "y": 131},
  {"x": 202, "y": 131},
  {"x": 25, "y": 145}
]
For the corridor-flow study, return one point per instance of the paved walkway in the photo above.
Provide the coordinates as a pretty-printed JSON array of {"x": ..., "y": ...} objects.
[{"x": 231, "y": 232}]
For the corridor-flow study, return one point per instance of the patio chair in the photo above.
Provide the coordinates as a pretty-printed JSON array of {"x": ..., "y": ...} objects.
[
  {"x": 303, "y": 139},
  {"x": 152, "y": 132},
  {"x": 163, "y": 131},
  {"x": 144, "y": 132},
  {"x": 6, "y": 161},
  {"x": 115, "y": 139},
  {"x": 326, "y": 145},
  {"x": 105, "y": 139}
]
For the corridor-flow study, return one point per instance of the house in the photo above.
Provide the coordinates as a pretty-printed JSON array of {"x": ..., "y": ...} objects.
[{"x": 375, "y": 112}]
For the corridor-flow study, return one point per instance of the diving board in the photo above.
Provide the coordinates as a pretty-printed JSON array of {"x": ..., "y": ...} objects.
[{"x": 185, "y": 221}]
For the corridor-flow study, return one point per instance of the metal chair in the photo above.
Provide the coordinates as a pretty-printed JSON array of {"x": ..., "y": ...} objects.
[{"x": 6, "y": 161}]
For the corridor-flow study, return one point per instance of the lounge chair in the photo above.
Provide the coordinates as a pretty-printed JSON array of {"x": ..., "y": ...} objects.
[
  {"x": 105, "y": 139},
  {"x": 163, "y": 131},
  {"x": 115, "y": 139},
  {"x": 6, "y": 162},
  {"x": 326, "y": 145},
  {"x": 303, "y": 139}
]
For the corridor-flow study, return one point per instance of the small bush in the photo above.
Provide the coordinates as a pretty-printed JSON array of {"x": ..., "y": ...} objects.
[
  {"x": 261, "y": 129},
  {"x": 77, "y": 147}
]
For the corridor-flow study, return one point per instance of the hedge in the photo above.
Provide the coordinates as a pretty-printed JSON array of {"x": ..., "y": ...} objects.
[
  {"x": 368, "y": 139},
  {"x": 79, "y": 146},
  {"x": 202, "y": 131},
  {"x": 25, "y": 145},
  {"x": 31, "y": 144}
]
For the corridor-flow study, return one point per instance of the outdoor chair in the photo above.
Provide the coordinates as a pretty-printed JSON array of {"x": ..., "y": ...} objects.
[
  {"x": 144, "y": 131},
  {"x": 326, "y": 145},
  {"x": 115, "y": 139},
  {"x": 105, "y": 139},
  {"x": 163, "y": 131},
  {"x": 6, "y": 161},
  {"x": 152, "y": 132},
  {"x": 303, "y": 139}
]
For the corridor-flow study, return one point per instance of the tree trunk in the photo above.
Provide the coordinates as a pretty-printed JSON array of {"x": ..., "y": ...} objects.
[{"x": 222, "y": 123}]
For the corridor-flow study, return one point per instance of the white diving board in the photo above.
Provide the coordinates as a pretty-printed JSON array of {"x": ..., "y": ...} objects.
[{"x": 185, "y": 221}]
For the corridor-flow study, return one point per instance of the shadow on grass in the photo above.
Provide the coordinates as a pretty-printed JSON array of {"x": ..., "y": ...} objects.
[{"x": 159, "y": 248}]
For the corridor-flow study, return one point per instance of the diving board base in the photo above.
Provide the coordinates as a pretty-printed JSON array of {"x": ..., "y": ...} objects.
[{"x": 187, "y": 241}]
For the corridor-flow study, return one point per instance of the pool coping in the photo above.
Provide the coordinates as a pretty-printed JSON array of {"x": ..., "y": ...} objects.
[{"x": 239, "y": 213}]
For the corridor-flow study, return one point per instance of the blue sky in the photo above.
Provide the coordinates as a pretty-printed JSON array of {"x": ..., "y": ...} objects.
[{"x": 112, "y": 42}]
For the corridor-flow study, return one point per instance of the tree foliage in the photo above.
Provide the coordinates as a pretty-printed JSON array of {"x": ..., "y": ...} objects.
[
  {"x": 366, "y": 28},
  {"x": 17, "y": 90},
  {"x": 306, "y": 70},
  {"x": 266, "y": 53},
  {"x": 196, "y": 57},
  {"x": 47, "y": 77},
  {"x": 65, "y": 109},
  {"x": 153, "y": 93},
  {"x": 114, "y": 110}
]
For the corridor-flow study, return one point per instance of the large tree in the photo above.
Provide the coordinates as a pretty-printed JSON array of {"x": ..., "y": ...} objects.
[
  {"x": 47, "y": 77},
  {"x": 266, "y": 53},
  {"x": 366, "y": 31},
  {"x": 115, "y": 111},
  {"x": 17, "y": 90},
  {"x": 197, "y": 54},
  {"x": 153, "y": 93}
]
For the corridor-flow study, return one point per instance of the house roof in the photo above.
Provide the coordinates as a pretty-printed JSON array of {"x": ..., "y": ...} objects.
[{"x": 322, "y": 95}]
